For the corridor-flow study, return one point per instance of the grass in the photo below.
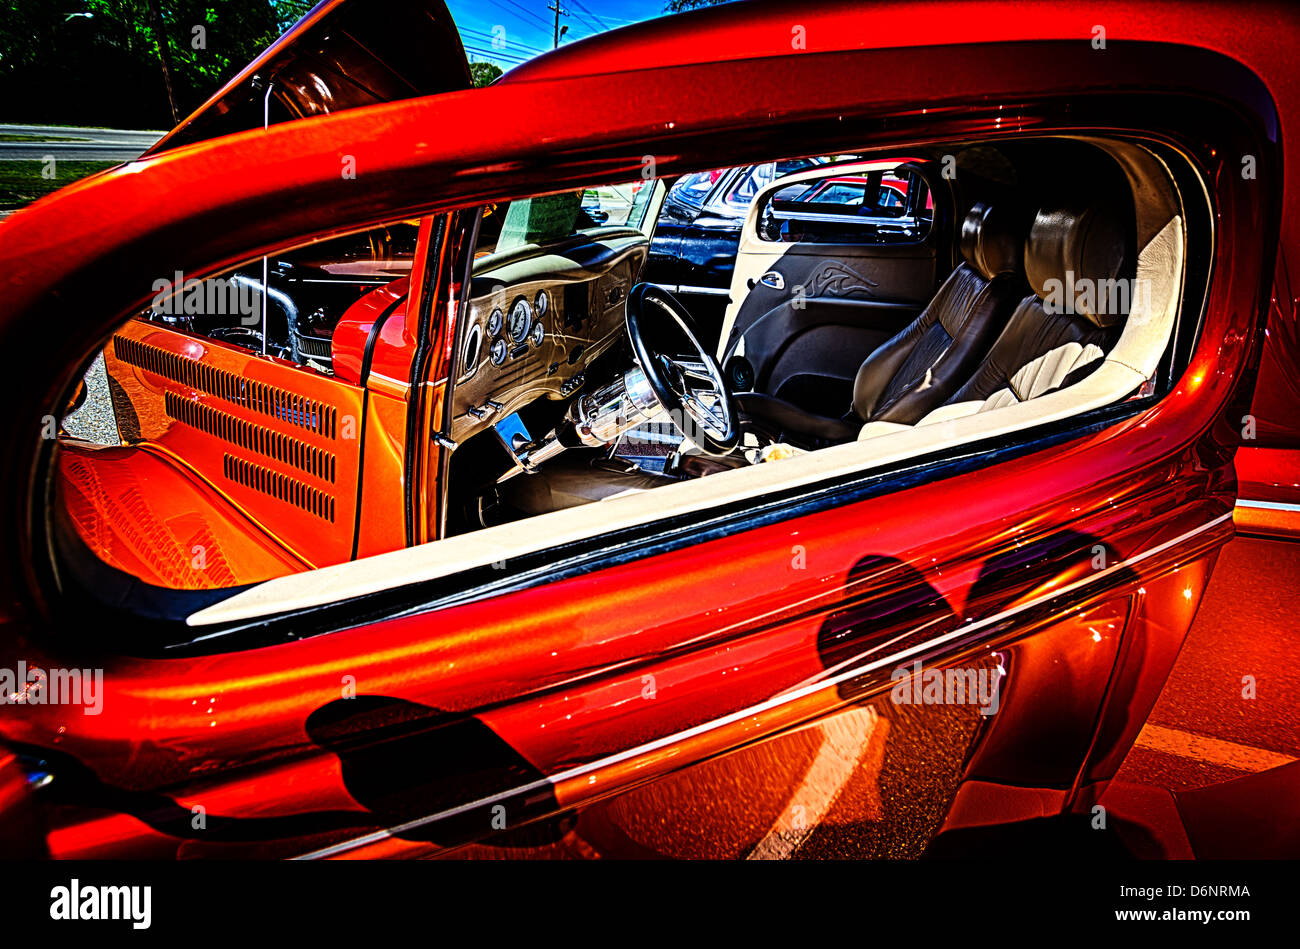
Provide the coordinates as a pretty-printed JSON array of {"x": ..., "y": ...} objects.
[
  {"x": 14, "y": 137},
  {"x": 21, "y": 182}
]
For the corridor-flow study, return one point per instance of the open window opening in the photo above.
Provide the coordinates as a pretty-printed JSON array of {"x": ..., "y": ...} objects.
[{"x": 879, "y": 309}]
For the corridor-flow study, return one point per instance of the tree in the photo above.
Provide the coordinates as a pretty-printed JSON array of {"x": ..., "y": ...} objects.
[
  {"x": 484, "y": 73},
  {"x": 679, "y": 6},
  {"x": 109, "y": 62}
]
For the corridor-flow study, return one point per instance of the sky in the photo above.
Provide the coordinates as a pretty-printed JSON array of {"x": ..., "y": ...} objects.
[{"x": 527, "y": 27}]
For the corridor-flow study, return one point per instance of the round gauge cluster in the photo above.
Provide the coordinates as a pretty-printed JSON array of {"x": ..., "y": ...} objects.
[
  {"x": 519, "y": 327},
  {"x": 521, "y": 318}
]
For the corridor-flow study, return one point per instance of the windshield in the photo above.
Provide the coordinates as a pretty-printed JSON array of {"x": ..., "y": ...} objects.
[{"x": 551, "y": 218}]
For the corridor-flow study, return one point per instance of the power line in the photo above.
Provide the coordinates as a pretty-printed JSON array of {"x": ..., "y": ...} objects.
[
  {"x": 495, "y": 54},
  {"x": 535, "y": 17},
  {"x": 581, "y": 6},
  {"x": 492, "y": 55},
  {"x": 588, "y": 24},
  {"x": 490, "y": 39}
]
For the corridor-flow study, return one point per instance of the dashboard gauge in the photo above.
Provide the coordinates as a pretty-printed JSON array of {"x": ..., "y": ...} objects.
[
  {"x": 542, "y": 303},
  {"x": 521, "y": 317},
  {"x": 498, "y": 352},
  {"x": 494, "y": 322},
  {"x": 539, "y": 333}
]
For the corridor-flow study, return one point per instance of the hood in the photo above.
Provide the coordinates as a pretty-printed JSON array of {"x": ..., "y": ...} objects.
[{"x": 342, "y": 55}]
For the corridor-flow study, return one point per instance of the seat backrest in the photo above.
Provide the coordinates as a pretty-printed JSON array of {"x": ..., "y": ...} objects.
[
  {"x": 1075, "y": 260},
  {"x": 925, "y": 363}
]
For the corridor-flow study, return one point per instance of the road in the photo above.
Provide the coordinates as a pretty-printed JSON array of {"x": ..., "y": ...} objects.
[
  {"x": 1229, "y": 706},
  {"x": 94, "y": 144},
  {"x": 94, "y": 421},
  {"x": 1227, "y": 723}
]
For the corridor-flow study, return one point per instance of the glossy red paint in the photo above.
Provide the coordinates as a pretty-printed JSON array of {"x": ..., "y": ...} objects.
[
  {"x": 595, "y": 693},
  {"x": 348, "y": 345},
  {"x": 1269, "y": 474},
  {"x": 1268, "y": 489},
  {"x": 187, "y": 535},
  {"x": 1277, "y": 396}
]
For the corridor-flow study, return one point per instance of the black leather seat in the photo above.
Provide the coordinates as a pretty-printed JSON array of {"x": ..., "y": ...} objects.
[
  {"x": 1076, "y": 258},
  {"x": 923, "y": 365}
]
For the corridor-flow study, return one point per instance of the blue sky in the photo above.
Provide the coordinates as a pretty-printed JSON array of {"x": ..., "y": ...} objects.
[{"x": 529, "y": 26}]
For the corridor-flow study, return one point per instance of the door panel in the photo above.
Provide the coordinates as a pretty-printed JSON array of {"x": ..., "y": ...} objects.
[
  {"x": 810, "y": 356},
  {"x": 813, "y": 309},
  {"x": 541, "y": 722}
]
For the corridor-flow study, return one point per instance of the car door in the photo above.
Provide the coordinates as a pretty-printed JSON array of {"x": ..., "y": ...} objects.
[
  {"x": 722, "y": 681},
  {"x": 832, "y": 262},
  {"x": 1269, "y": 502}
]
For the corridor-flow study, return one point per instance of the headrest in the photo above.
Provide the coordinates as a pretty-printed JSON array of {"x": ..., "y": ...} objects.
[
  {"x": 991, "y": 239},
  {"x": 1074, "y": 258}
]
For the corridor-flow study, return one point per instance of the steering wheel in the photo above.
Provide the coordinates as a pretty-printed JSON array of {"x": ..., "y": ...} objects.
[{"x": 684, "y": 378}]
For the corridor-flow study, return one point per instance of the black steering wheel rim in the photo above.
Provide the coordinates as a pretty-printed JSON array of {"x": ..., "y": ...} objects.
[{"x": 714, "y": 429}]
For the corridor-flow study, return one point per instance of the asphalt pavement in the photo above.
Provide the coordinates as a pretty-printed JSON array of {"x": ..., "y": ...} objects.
[
  {"x": 94, "y": 421},
  {"x": 1229, "y": 706},
  {"x": 74, "y": 144}
]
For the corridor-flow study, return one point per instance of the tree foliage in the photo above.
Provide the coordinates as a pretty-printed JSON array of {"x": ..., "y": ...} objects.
[
  {"x": 679, "y": 6},
  {"x": 100, "y": 62},
  {"x": 483, "y": 73}
]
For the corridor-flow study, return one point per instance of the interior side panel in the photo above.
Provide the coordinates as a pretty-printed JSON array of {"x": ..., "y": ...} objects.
[{"x": 848, "y": 300}]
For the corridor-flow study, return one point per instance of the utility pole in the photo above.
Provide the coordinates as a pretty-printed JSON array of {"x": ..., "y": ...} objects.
[{"x": 559, "y": 12}]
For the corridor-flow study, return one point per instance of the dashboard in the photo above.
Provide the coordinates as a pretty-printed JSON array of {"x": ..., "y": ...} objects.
[{"x": 537, "y": 319}]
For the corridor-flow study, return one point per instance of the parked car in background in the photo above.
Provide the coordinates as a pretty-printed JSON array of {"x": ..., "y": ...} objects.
[{"x": 878, "y": 207}]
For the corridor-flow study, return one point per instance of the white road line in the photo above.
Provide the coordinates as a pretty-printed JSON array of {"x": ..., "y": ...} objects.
[
  {"x": 1268, "y": 505},
  {"x": 846, "y": 739},
  {"x": 1215, "y": 751}
]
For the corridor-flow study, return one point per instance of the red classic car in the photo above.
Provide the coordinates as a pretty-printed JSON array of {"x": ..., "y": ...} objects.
[{"x": 429, "y": 527}]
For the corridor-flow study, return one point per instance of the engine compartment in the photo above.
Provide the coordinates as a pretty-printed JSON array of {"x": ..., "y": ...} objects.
[{"x": 288, "y": 306}]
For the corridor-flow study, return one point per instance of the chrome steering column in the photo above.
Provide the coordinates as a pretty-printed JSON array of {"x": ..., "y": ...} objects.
[{"x": 595, "y": 420}]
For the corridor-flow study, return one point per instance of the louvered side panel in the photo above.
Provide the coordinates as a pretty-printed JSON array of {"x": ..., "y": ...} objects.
[{"x": 281, "y": 441}]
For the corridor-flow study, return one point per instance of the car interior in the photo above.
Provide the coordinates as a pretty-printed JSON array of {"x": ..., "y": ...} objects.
[
  {"x": 1007, "y": 324},
  {"x": 880, "y": 309}
]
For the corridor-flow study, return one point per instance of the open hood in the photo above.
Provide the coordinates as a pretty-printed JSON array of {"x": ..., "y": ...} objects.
[{"x": 342, "y": 55}]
